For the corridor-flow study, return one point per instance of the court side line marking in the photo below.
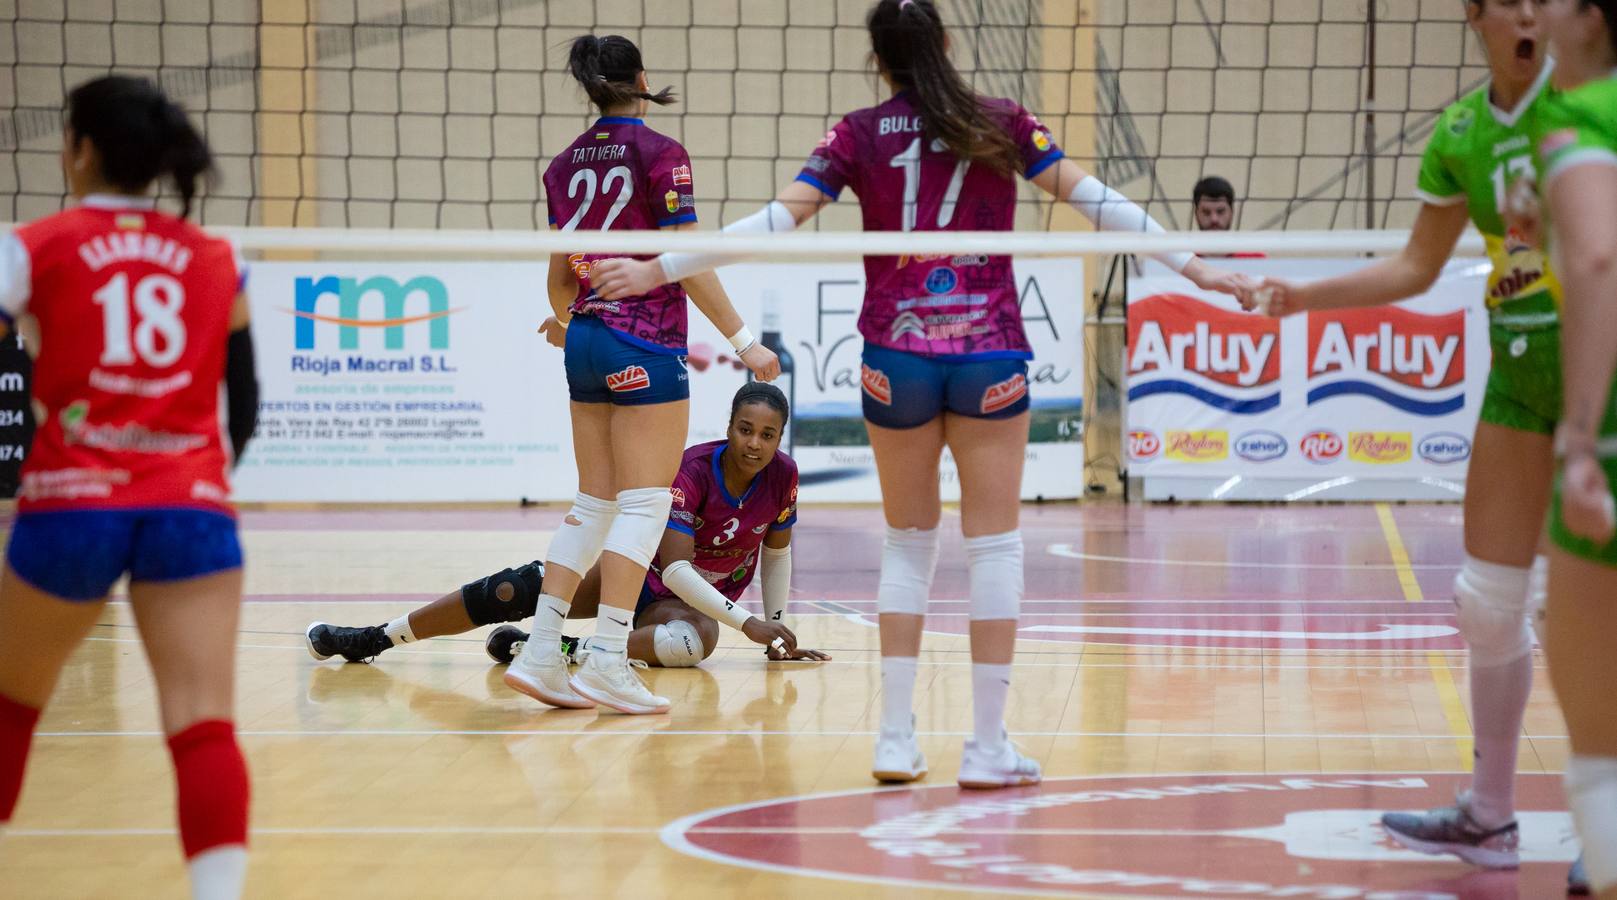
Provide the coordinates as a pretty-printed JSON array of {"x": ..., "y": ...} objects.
[
  {"x": 1447, "y": 694},
  {"x": 399, "y": 654},
  {"x": 608, "y": 732},
  {"x": 521, "y": 830},
  {"x": 1067, "y": 551}
]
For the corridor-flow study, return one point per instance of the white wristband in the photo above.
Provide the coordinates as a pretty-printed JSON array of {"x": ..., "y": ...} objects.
[{"x": 742, "y": 340}]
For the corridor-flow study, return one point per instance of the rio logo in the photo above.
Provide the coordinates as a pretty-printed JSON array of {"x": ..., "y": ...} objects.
[
  {"x": 1144, "y": 444},
  {"x": 1321, "y": 447}
]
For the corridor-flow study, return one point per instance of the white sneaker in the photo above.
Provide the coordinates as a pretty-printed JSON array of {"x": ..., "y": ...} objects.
[
  {"x": 983, "y": 768},
  {"x": 540, "y": 672},
  {"x": 607, "y": 679},
  {"x": 898, "y": 756}
]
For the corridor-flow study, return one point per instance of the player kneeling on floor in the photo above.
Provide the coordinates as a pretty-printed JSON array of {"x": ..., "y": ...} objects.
[{"x": 734, "y": 505}]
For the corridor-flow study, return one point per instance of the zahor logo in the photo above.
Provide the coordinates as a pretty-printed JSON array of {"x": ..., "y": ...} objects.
[
  {"x": 1260, "y": 446},
  {"x": 1444, "y": 448},
  {"x": 1408, "y": 360},
  {"x": 1320, "y": 447},
  {"x": 1144, "y": 444},
  {"x": 1181, "y": 345},
  {"x": 1379, "y": 448},
  {"x": 351, "y": 294},
  {"x": 1198, "y": 446}
]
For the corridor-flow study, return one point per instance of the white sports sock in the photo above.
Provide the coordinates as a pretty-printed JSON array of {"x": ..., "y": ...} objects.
[
  {"x": 898, "y": 694},
  {"x": 218, "y": 873},
  {"x": 549, "y": 617},
  {"x": 399, "y": 632},
  {"x": 1498, "y": 702},
  {"x": 612, "y": 629},
  {"x": 1591, "y": 792},
  {"x": 990, "y": 683}
]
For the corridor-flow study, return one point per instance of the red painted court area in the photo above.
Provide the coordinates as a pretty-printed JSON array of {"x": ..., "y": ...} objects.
[{"x": 1300, "y": 836}]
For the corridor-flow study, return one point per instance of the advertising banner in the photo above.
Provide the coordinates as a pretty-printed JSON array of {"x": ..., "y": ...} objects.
[
  {"x": 1376, "y": 393},
  {"x": 429, "y": 382}
]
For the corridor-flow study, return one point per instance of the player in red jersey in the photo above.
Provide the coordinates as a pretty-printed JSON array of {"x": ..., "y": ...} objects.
[
  {"x": 626, "y": 378},
  {"x": 945, "y": 358},
  {"x": 140, "y": 316}
]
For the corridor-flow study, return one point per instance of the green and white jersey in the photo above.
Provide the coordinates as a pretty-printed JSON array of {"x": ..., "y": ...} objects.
[
  {"x": 1578, "y": 127},
  {"x": 1476, "y": 152}
]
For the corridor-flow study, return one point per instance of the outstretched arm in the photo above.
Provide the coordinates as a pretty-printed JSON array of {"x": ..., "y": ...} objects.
[
  {"x": 1414, "y": 270},
  {"x": 687, "y": 584},
  {"x": 618, "y": 278}
]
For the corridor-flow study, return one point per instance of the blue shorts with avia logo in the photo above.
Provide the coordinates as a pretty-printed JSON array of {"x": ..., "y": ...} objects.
[
  {"x": 80, "y": 554},
  {"x": 906, "y": 390},
  {"x": 602, "y": 367}
]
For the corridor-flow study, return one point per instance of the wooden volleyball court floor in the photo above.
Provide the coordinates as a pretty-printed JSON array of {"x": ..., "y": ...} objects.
[{"x": 1224, "y": 699}]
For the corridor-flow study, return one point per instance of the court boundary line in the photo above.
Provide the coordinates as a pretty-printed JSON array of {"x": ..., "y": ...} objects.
[
  {"x": 1066, "y": 550},
  {"x": 796, "y": 732}
]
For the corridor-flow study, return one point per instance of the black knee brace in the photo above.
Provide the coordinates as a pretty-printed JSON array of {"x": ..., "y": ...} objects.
[{"x": 482, "y": 598}]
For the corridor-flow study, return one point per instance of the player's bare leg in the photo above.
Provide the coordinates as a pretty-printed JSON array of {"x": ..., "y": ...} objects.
[
  {"x": 907, "y": 466},
  {"x": 989, "y": 455}
]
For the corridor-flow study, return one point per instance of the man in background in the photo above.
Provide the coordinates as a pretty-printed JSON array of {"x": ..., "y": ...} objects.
[{"x": 1214, "y": 200}]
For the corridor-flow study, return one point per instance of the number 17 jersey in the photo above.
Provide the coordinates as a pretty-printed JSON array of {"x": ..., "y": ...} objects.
[{"x": 134, "y": 310}]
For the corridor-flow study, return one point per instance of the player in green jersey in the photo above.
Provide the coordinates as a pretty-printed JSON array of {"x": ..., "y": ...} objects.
[
  {"x": 1578, "y": 149},
  {"x": 1480, "y": 146}
]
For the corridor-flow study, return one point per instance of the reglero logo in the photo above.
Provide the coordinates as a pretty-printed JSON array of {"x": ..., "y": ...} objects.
[{"x": 351, "y": 294}]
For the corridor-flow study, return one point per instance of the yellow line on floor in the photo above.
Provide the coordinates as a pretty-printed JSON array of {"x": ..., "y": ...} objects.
[{"x": 1442, "y": 677}]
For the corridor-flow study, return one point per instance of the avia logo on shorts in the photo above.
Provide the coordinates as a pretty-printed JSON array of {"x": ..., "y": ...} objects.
[
  {"x": 1260, "y": 446},
  {"x": 1005, "y": 394},
  {"x": 1321, "y": 447},
  {"x": 631, "y": 379},
  {"x": 352, "y": 295},
  {"x": 1407, "y": 360},
  {"x": 1225, "y": 359},
  {"x": 1198, "y": 446},
  {"x": 1144, "y": 444},
  {"x": 1444, "y": 448},
  {"x": 876, "y": 384},
  {"x": 1379, "y": 448}
]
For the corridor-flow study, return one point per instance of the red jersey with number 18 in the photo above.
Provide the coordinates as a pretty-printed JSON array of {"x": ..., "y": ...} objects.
[{"x": 134, "y": 311}]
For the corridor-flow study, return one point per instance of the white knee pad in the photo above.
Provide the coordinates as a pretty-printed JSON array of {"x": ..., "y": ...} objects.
[
  {"x": 1492, "y": 602},
  {"x": 1591, "y": 792},
  {"x": 908, "y": 558},
  {"x": 678, "y": 645},
  {"x": 578, "y": 541},
  {"x": 995, "y": 562},
  {"x": 638, "y": 529}
]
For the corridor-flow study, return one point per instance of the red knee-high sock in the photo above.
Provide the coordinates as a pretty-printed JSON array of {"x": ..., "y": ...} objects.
[
  {"x": 211, "y": 776},
  {"x": 16, "y": 734}
]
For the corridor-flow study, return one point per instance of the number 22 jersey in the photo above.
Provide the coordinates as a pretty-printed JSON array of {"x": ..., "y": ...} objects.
[{"x": 134, "y": 310}]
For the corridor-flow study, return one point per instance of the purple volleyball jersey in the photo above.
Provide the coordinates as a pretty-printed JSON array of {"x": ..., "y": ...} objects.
[
  {"x": 728, "y": 530},
  {"x": 940, "y": 306},
  {"x": 622, "y": 176}
]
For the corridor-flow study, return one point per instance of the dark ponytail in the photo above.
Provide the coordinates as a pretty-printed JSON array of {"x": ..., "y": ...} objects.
[
  {"x": 761, "y": 392},
  {"x": 140, "y": 135},
  {"x": 607, "y": 68},
  {"x": 906, "y": 37}
]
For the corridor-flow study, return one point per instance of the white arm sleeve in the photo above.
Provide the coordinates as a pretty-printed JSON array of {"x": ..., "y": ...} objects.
[
  {"x": 772, "y": 219},
  {"x": 1111, "y": 211},
  {"x": 16, "y": 278},
  {"x": 682, "y": 578},
  {"x": 775, "y": 576}
]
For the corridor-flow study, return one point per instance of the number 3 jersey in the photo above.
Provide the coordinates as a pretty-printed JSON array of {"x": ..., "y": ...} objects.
[
  {"x": 134, "y": 310},
  {"x": 728, "y": 529},
  {"x": 622, "y": 176},
  {"x": 941, "y": 306},
  {"x": 1476, "y": 152}
]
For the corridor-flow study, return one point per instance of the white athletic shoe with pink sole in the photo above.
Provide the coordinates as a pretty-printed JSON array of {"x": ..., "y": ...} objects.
[
  {"x": 1002, "y": 767},
  {"x": 540, "y": 672},
  {"x": 607, "y": 679}
]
